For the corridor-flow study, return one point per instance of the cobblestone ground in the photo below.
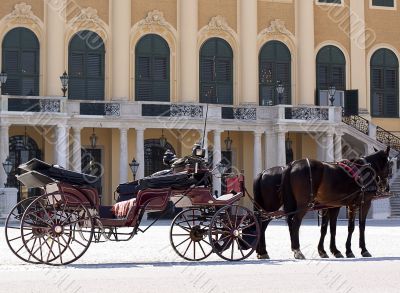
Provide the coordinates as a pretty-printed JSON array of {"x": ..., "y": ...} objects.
[{"x": 148, "y": 264}]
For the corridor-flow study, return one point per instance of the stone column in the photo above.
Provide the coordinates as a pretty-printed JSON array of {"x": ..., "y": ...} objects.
[
  {"x": 140, "y": 152},
  {"x": 357, "y": 51},
  {"x": 123, "y": 155},
  {"x": 329, "y": 147},
  {"x": 77, "y": 149},
  {"x": 321, "y": 144},
  {"x": 306, "y": 59},
  {"x": 281, "y": 159},
  {"x": 338, "y": 147},
  {"x": 270, "y": 153},
  {"x": 121, "y": 26},
  {"x": 4, "y": 151},
  {"x": 248, "y": 54},
  {"x": 216, "y": 160},
  {"x": 257, "y": 156},
  {"x": 188, "y": 27},
  {"x": 55, "y": 52},
  {"x": 61, "y": 146}
]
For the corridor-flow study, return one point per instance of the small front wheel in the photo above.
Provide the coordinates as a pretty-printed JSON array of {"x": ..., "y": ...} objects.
[
  {"x": 188, "y": 235},
  {"x": 234, "y": 233}
]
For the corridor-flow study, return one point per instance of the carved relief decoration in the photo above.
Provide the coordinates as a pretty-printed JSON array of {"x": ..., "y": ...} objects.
[
  {"x": 277, "y": 27},
  {"x": 22, "y": 15}
]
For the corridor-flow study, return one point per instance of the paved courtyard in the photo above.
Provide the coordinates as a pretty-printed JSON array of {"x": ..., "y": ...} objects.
[{"x": 148, "y": 264}]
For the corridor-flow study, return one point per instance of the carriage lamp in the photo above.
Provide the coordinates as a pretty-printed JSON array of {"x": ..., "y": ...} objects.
[
  {"x": 280, "y": 88},
  {"x": 64, "y": 83},
  {"x": 3, "y": 79},
  {"x": 134, "y": 168},
  {"x": 228, "y": 143},
  {"x": 221, "y": 167},
  {"x": 8, "y": 166},
  {"x": 163, "y": 140},
  {"x": 93, "y": 140},
  {"x": 331, "y": 93}
]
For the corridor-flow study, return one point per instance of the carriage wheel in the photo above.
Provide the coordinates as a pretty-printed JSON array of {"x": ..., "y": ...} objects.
[
  {"x": 13, "y": 232},
  {"x": 56, "y": 226},
  {"x": 234, "y": 233},
  {"x": 188, "y": 235}
]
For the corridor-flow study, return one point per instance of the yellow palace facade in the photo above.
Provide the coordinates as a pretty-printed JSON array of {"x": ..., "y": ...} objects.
[{"x": 270, "y": 75}]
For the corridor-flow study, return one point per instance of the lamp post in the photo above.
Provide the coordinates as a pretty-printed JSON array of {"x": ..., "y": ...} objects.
[
  {"x": 8, "y": 166},
  {"x": 163, "y": 140},
  {"x": 331, "y": 93},
  {"x": 93, "y": 140},
  {"x": 280, "y": 88},
  {"x": 64, "y": 83},
  {"x": 134, "y": 168},
  {"x": 228, "y": 143}
]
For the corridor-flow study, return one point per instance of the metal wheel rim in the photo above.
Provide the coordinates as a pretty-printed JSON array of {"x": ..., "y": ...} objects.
[
  {"x": 184, "y": 239},
  {"x": 230, "y": 241},
  {"x": 62, "y": 241}
]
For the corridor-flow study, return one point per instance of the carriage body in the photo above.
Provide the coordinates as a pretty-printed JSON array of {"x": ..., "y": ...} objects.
[{"x": 69, "y": 215}]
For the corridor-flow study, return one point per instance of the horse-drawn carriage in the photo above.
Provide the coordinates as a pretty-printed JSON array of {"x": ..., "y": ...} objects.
[{"x": 58, "y": 227}]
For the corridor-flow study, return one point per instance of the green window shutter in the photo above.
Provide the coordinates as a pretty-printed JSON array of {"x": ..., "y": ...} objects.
[
  {"x": 216, "y": 72},
  {"x": 384, "y": 84},
  {"x": 274, "y": 66},
  {"x": 86, "y": 63},
  {"x": 331, "y": 68},
  {"x": 21, "y": 62},
  {"x": 152, "y": 78},
  {"x": 384, "y": 3}
]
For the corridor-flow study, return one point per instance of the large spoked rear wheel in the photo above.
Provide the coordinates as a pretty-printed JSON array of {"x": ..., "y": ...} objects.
[
  {"x": 188, "y": 235},
  {"x": 234, "y": 233},
  {"x": 13, "y": 232},
  {"x": 57, "y": 223}
]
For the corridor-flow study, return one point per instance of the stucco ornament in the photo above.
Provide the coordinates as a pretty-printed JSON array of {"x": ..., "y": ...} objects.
[
  {"x": 88, "y": 14},
  {"x": 219, "y": 23},
  {"x": 22, "y": 14},
  {"x": 154, "y": 17},
  {"x": 277, "y": 26}
]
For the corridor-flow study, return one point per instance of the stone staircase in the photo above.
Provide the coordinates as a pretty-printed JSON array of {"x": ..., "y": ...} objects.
[{"x": 395, "y": 201}]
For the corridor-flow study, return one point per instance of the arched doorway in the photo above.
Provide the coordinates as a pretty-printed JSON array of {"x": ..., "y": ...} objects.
[
  {"x": 274, "y": 66},
  {"x": 21, "y": 62},
  {"x": 153, "y": 156},
  {"x": 384, "y": 84},
  {"x": 216, "y": 72},
  {"x": 22, "y": 149},
  {"x": 152, "y": 69},
  {"x": 86, "y": 66},
  {"x": 331, "y": 68}
]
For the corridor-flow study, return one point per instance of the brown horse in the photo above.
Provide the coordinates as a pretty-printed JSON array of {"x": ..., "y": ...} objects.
[
  {"x": 308, "y": 182},
  {"x": 267, "y": 195}
]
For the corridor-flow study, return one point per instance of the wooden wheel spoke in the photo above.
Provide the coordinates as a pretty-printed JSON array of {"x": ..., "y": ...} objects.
[
  {"x": 68, "y": 246},
  {"x": 241, "y": 251},
  {"x": 245, "y": 242},
  {"x": 50, "y": 249},
  {"x": 18, "y": 237},
  {"x": 248, "y": 226},
  {"x": 59, "y": 249},
  {"x": 232, "y": 249},
  {"x": 69, "y": 216},
  {"x": 187, "y": 248},
  {"x": 182, "y": 242},
  {"x": 30, "y": 254},
  {"x": 46, "y": 212},
  {"x": 179, "y": 234},
  {"x": 187, "y": 221},
  {"x": 201, "y": 247},
  {"x": 184, "y": 228}
]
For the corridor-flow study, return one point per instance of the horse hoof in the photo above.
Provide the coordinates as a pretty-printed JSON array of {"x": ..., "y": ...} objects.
[
  {"x": 338, "y": 255},
  {"x": 263, "y": 256},
  {"x": 323, "y": 254},
  {"x": 298, "y": 254},
  {"x": 366, "y": 254},
  {"x": 350, "y": 255}
]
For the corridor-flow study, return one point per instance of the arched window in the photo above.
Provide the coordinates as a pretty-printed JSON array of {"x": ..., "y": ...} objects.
[
  {"x": 274, "y": 68},
  {"x": 86, "y": 66},
  {"x": 152, "y": 69},
  {"x": 384, "y": 84},
  {"x": 216, "y": 72},
  {"x": 331, "y": 68},
  {"x": 21, "y": 62}
]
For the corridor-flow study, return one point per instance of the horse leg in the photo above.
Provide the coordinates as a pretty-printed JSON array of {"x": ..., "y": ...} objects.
[
  {"x": 362, "y": 218},
  {"x": 296, "y": 223},
  {"x": 351, "y": 216},
  {"x": 333, "y": 215},
  {"x": 261, "y": 248},
  {"x": 324, "y": 229}
]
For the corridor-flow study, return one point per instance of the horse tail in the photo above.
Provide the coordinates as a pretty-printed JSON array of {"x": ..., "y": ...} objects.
[
  {"x": 287, "y": 196},
  {"x": 257, "y": 189}
]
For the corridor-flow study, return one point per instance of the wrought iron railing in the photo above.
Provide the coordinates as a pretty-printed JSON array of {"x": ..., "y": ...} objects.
[
  {"x": 388, "y": 138},
  {"x": 102, "y": 109},
  {"x": 306, "y": 113},
  {"x": 357, "y": 122}
]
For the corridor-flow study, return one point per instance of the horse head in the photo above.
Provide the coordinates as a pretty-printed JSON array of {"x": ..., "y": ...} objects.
[{"x": 380, "y": 163}]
